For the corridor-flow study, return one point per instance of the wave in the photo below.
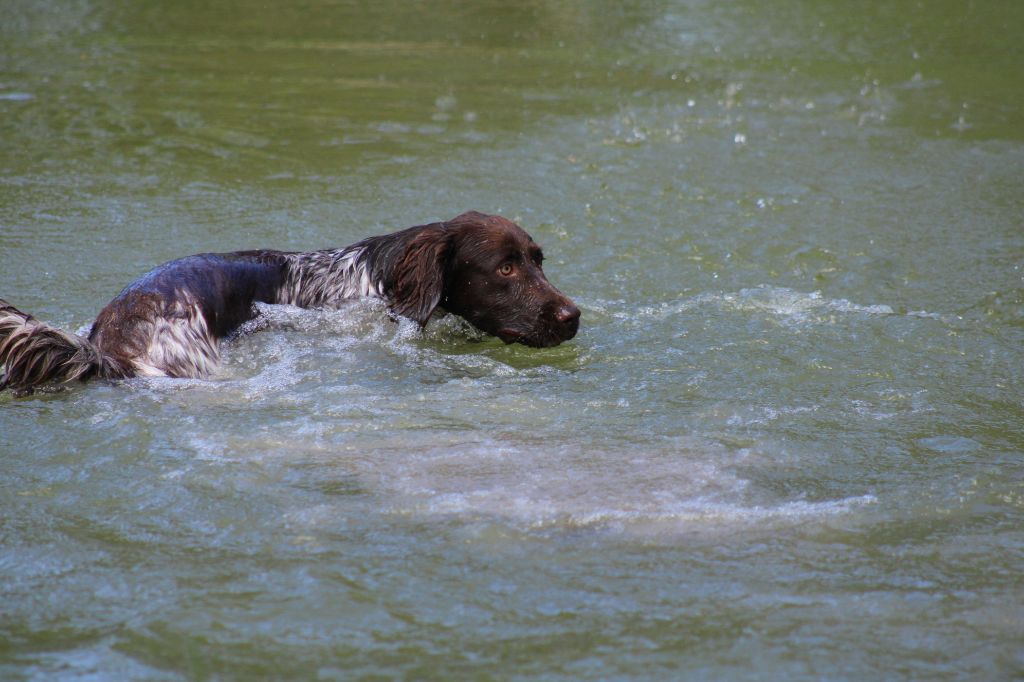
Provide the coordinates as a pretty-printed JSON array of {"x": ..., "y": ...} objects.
[
  {"x": 683, "y": 489},
  {"x": 776, "y": 301}
]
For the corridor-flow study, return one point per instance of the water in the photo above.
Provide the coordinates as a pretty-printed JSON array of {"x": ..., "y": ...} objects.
[{"x": 787, "y": 442}]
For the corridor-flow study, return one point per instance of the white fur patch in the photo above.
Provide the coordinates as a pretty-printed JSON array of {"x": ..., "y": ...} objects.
[
  {"x": 180, "y": 343},
  {"x": 326, "y": 278}
]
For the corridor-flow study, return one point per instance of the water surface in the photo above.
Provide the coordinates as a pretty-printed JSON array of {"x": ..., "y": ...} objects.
[{"x": 787, "y": 442}]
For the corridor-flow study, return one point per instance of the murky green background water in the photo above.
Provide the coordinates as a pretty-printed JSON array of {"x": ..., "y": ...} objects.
[{"x": 787, "y": 443}]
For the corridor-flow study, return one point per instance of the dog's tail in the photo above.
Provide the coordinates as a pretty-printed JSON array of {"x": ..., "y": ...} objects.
[{"x": 33, "y": 353}]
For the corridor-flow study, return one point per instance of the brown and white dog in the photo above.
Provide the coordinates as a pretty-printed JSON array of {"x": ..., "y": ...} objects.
[{"x": 169, "y": 322}]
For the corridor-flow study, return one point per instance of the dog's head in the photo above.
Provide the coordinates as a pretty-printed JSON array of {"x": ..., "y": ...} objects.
[{"x": 487, "y": 270}]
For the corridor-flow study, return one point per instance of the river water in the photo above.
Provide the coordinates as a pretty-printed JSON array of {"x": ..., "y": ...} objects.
[{"x": 788, "y": 442}]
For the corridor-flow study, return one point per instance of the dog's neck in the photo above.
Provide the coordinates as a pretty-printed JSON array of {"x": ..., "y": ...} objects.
[{"x": 326, "y": 278}]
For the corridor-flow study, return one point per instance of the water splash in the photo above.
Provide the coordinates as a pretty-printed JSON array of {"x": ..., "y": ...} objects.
[{"x": 686, "y": 488}]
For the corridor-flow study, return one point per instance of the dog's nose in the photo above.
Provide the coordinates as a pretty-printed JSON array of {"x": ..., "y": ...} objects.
[{"x": 567, "y": 313}]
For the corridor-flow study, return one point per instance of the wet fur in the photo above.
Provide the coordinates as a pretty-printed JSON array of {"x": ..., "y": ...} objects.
[{"x": 170, "y": 321}]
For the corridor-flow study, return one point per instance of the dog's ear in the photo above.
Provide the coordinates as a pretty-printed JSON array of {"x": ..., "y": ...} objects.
[{"x": 419, "y": 274}]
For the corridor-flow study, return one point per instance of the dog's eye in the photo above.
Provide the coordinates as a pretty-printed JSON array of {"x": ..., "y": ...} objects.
[{"x": 506, "y": 270}]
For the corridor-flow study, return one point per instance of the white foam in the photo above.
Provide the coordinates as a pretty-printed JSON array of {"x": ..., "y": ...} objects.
[
  {"x": 665, "y": 489},
  {"x": 795, "y": 306},
  {"x": 672, "y": 490}
]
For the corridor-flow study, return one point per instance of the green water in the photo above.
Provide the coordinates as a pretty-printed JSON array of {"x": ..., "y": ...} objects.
[{"x": 788, "y": 442}]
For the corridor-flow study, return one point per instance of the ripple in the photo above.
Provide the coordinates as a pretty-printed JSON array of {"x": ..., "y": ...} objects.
[
  {"x": 776, "y": 301},
  {"x": 673, "y": 490}
]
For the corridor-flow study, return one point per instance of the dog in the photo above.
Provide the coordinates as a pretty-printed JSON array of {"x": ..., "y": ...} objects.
[{"x": 170, "y": 321}]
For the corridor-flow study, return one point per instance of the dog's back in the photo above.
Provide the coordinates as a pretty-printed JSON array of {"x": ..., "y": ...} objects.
[{"x": 169, "y": 321}]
